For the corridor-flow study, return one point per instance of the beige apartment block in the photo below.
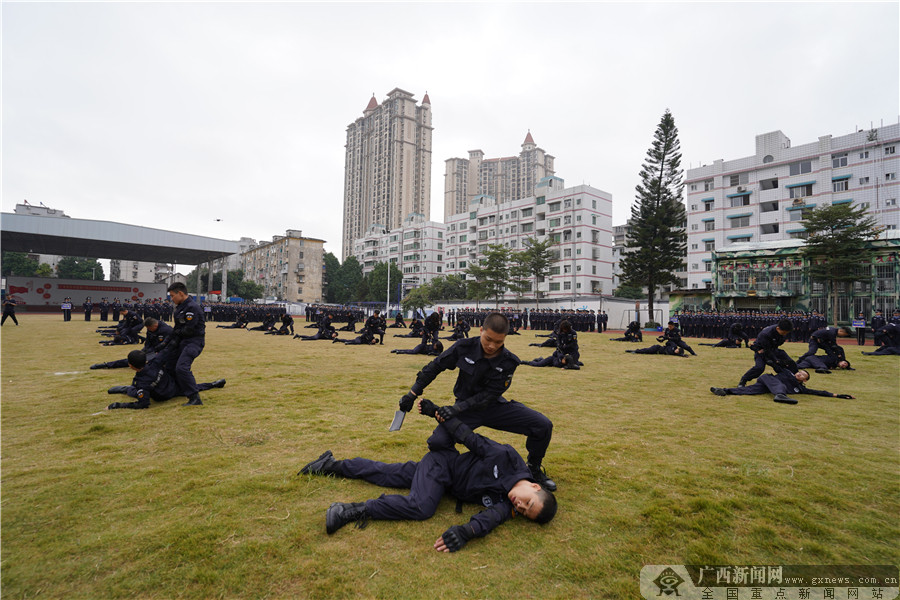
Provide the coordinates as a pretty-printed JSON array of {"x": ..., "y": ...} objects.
[
  {"x": 387, "y": 169},
  {"x": 290, "y": 267},
  {"x": 504, "y": 179}
]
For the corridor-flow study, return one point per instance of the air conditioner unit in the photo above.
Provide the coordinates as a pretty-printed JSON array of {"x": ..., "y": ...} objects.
[
  {"x": 798, "y": 201},
  {"x": 741, "y": 189}
]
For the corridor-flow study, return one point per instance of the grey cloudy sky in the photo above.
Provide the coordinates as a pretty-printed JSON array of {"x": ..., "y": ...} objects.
[{"x": 174, "y": 115}]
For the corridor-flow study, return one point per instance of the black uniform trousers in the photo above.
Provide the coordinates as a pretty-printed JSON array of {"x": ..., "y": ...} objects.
[
  {"x": 510, "y": 416},
  {"x": 427, "y": 480},
  {"x": 179, "y": 362},
  {"x": 759, "y": 365}
]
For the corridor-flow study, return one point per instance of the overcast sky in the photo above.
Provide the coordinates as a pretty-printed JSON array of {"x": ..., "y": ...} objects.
[{"x": 176, "y": 115}]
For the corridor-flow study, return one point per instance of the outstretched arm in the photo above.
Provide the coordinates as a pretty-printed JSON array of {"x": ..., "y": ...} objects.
[{"x": 478, "y": 526}]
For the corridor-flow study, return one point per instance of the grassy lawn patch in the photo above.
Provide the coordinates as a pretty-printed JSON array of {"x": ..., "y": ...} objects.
[{"x": 205, "y": 502}]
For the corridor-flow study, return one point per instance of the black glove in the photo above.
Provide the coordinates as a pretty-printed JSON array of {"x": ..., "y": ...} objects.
[
  {"x": 447, "y": 412},
  {"x": 118, "y": 389},
  {"x": 407, "y": 401},
  {"x": 844, "y": 396},
  {"x": 115, "y": 405},
  {"x": 427, "y": 407},
  {"x": 457, "y": 536}
]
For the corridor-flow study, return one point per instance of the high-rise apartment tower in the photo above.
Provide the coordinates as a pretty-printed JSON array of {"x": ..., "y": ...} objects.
[
  {"x": 387, "y": 170},
  {"x": 504, "y": 179}
]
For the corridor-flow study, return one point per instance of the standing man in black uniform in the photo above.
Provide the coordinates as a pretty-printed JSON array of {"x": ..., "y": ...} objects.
[
  {"x": 88, "y": 306},
  {"x": 878, "y": 321},
  {"x": 67, "y": 308},
  {"x": 9, "y": 310},
  {"x": 486, "y": 368},
  {"x": 104, "y": 309},
  {"x": 490, "y": 474},
  {"x": 186, "y": 341}
]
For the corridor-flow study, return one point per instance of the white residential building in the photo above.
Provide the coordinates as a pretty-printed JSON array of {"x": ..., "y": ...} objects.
[
  {"x": 417, "y": 248},
  {"x": 763, "y": 197},
  {"x": 579, "y": 219}
]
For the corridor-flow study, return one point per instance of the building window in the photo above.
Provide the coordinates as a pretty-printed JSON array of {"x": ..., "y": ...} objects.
[
  {"x": 768, "y": 184},
  {"x": 741, "y": 222},
  {"x": 738, "y": 179},
  {"x": 863, "y": 180},
  {"x": 554, "y": 270},
  {"x": 554, "y": 222},
  {"x": 864, "y": 154},
  {"x": 838, "y": 160},
  {"x": 694, "y": 246},
  {"x": 693, "y": 207},
  {"x": 462, "y": 264},
  {"x": 890, "y": 202},
  {"x": 890, "y": 176},
  {"x": 864, "y": 205},
  {"x": 463, "y": 237},
  {"x": 708, "y": 185},
  {"x": 693, "y": 187},
  {"x": 526, "y": 212},
  {"x": 768, "y": 228},
  {"x": 567, "y": 285},
  {"x": 527, "y": 227},
  {"x": 798, "y": 168},
  {"x": 554, "y": 206},
  {"x": 890, "y": 149},
  {"x": 840, "y": 186},
  {"x": 801, "y": 190},
  {"x": 567, "y": 253},
  {"x": 708, "y": 266},
  {"x": 554, "y": 287},
  {"x": 540, "y": 200},
  {"x": 740, "y": 201},
  {"x": 709, "y": 246},
  {"x": 709, "y": 225},
  {"x": 768, "y": 206},
  {"x": 694, "y": 227},
  {"x": 567, "y": 203}
]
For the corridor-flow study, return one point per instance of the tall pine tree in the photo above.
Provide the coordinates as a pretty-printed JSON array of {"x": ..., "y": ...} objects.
[{"x": 655, "y": 248}]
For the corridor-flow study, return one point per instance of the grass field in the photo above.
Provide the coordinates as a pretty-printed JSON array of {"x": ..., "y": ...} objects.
[{"x": 205, "y": 502}]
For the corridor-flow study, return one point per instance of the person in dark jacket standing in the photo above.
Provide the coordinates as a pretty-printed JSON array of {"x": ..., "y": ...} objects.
[
  {"x": 186, "y": 341},
  {"x": 489, "y": 474},
  {"x": 9, "y": 310},
  {"x": 88, "y": 307},
  {"x": 486, "y": 369}
]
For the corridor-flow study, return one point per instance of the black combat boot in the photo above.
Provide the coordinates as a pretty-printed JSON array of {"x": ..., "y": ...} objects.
[
  {"x": 540, "y": 475},
  {"x": 324, "y": 465},
  {"x": 193, "y": 400},
  {"x": 341, "y": 513},
  {"x": 784, "y": 399}
]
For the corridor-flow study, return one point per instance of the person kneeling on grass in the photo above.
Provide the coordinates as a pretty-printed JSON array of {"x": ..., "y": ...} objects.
[
  {"x": 151, "y": 381},
  {"x": 490, "y": 474},
  {"x": 780, "y": 384}
]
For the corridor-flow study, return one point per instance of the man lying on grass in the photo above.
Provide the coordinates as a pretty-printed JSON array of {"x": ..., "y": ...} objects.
[
  {"x": 780, "y": 384},
  {"x": 490, "y": 474},
  {"x": 152, "y": 381}
]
